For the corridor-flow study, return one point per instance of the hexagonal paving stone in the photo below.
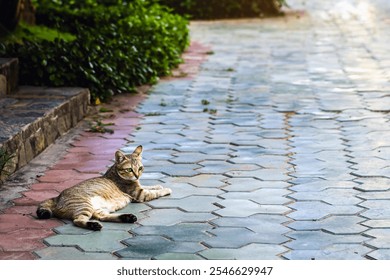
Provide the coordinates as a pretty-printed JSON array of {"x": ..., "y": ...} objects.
[
  {"x": 71, "y": 253},
  {"x": 190, "y": 232},
  {"x": 188, "y": 204},
  {"x": 373, "y": 184},
  {"x": 315, "y": 210},
  {"x": 245, "y": 208},
  {"x": 261, "y": 174},
  {"x": 102, "y": 241},
  {"x": 182, "y": 190},
  {"x": 178, "y": 256},
  {"x": 317, "y": 240},
  {"x": 262, "y": 196},
  {"x": 332, "y": 252},
  {"x": 226, "y": 237},
  {"x": 249, "y": 252},
  {"x": 203, "y": 180},
  {"x": 380, "y": 254},
  {"x": 259, "y": 223},
  {"x": 169, "y": 217},
  {"x": 146, "y": 247},
  {"x": 343, "y": 225},
  {"x": 381, "y": 238},
  {"x": 330, "y": 196},
  {"x": 320, "y": 185}
]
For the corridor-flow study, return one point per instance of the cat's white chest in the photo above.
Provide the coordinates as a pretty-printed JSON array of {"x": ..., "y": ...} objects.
[{"x": 99, "y": 202}]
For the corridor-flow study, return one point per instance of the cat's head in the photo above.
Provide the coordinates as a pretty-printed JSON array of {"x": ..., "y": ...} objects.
[{"x": 129, "y": 167}]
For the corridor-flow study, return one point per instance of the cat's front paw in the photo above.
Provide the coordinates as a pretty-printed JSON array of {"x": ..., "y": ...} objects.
[{"x": 166, "y": 191}]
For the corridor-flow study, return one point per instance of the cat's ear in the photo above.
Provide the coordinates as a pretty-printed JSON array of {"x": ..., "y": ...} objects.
[
  {"x": 138, "y": 151},
  {"x": 119, "y": 157}
]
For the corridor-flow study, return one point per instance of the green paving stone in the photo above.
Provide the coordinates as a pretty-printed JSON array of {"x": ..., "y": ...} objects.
[
  {"x": 144, "y": 247},
  {"x": 249, "y": 252},
  {"x": 101, "y": 241},
  {"x": 71, "y": 253},
  {"x": 190, "y": 232}
]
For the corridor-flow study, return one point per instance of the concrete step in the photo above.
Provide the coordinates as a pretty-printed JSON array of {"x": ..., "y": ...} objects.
[
  {"x": 9, "y": 71},
  {"x": 32, "y": 118}
]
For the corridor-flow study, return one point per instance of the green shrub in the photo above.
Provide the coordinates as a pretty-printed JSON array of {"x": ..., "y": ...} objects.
[
  {"x": 115, "y": 45},
  {"x": 214, "y": 9}
]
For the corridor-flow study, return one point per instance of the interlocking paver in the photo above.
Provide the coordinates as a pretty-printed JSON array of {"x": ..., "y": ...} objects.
[
  {"x": 248, "y": 252},
  {"x": 284, "y": 156}
]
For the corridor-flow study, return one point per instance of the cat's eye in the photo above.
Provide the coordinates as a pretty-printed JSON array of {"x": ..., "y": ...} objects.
[
  {"x": 129, "y": 169},
  {"x": 141, "y": 168}
]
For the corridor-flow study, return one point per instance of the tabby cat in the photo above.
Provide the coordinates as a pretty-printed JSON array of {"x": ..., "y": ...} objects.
[{"x": 96, "y": 198}]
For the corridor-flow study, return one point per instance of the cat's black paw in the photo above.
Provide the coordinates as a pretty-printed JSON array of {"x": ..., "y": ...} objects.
[
  {"x": 94, "y": 225},
  {"x": 43, "y": 213},
  {"x": 128, "y": 218}
]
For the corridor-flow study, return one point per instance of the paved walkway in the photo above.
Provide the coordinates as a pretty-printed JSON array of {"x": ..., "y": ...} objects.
[{"x": 275, "y": 147}]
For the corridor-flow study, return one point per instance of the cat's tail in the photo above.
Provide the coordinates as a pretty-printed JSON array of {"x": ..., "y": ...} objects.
[{"x": 44, "y": 210}]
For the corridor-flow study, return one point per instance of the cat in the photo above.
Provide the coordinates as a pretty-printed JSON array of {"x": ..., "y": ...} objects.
[{"x": 98, "y": 197}]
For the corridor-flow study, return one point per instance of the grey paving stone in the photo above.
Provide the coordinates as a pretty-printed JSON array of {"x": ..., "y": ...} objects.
[
  {"x": 169, "y": 217},
  {"x": 377, "y": 223},
  {"x": 261, "y": 174},
  {"x": 330, "y": 196},
  {"x": 380, "y": 254},
  {"x": 259, "y": 223},
  {"x": 245, "y": 208},
  {"x": 317, "y": 240},
  {"x": 332, "y": 252},
  {"x": 315, "y": 210},
  {"x": 249, "y": 252},
  {"x": 226, "y": 237},
  {"x": 187, "y": 232},
  {"x": 203, "y": 180},
  {"x": 189, "y": 204},
  {"x": 178, "y": 256},
  {"x": 373, "y": 184},
  {"x": 261, "y": 196},
  {"x": 71, "y": 253},
  {"x": 181, "y": 190},
  {"x": 103, "y": 241},
  {"x": 381, "y": 238}
]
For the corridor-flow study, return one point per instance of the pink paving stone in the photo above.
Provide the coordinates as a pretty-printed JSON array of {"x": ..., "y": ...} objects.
[
  {"x": 41, "y": 195},
  {"x": 95, "y": 142},
  {"x": 59, "y": 176},
  {"x": 22, "y": 209},
  {"x": 17, "y": 256},
  {"x": 94, "y": 166},
  {"x": 123, "y": 121},
  {"x": 24, "y": 240},
  {"x": 13, "y": 222},
  {"x": 78, "y": 150},
  {"x": 24, "y": 201}
]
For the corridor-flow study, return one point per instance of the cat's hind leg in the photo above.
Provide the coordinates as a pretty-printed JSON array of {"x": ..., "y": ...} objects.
[
  {"x": 114, "y": 217},
  {"x": 85, "y": 222}
]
